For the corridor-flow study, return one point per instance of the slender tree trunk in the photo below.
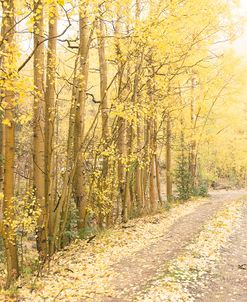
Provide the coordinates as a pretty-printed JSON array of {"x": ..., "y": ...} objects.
[
  {"x": 8, "y": 207},
  {"x": 121, "y": 171},
  {"x": 157, "y": 170},
  {"x": 139, "y": 172},
  {"x": 71, "y": 163},
  {"x": 104, "y": 102},
  {"x": 103, "y": 83},
  {"x": 153, "y": 181},
  {"x": 146, "y": 173},
  {"x": 39, "y": 127},
  {"x": 183, "y": 153},
  {"x": 1, "y": 163},
  {"x": 158, "y": 178},
  {"x": 79, "y": 177},
  {"x": 121, "y": 131},
  {"x": 192, "y": 163},
  {"x": 168, "y": 160},
  {"x": 50, "y": 111},
  {"x": 153, "y": 194},
  {"x": 127, "y": 201},
  {"x": 3, "y": 29}
]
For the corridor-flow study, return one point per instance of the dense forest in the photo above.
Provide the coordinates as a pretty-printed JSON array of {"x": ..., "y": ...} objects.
[{"x": 113, "y": 110}]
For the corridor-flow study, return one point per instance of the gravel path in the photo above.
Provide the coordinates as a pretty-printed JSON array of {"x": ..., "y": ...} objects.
[
  {"x": 135, "y": 271},
  {"x": 120, "y": 263},
  {"x": 229, "y": 282}
]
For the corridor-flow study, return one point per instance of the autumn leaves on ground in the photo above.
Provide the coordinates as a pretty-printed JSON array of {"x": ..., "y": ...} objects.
[
  {"x": 123, "y": 150},
  {"x": 190, "y": 253}
]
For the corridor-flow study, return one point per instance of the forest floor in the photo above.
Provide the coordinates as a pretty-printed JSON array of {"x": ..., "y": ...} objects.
[{"x": 197, "y": 251}]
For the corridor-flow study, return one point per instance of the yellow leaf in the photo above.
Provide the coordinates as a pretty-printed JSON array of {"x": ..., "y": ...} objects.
[{"x": 6, "y": 122}]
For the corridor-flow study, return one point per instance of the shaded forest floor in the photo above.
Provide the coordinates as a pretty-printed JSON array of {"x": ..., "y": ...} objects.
[{"x": 195, "y": 252}]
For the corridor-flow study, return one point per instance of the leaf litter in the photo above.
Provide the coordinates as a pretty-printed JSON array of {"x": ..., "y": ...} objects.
[
  {"x": 84, "y": 271},
  {"x": 176, "y": 281}
]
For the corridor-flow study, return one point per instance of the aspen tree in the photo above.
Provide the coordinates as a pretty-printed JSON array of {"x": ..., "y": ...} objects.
[
  {"x": 103, "y": 81},
  {"x": 39, "y": 127},
  {"x": 139, "y": 170},
  {"x": 192, "y": 155},
  {"x": 63, "y": 203},
  {"x": 157, "y": 166},
  {"x": 79, "y": 177},
  {"x": 127, "y": 202},
  {"x": 50, "y": 108},
  {"x": 103, "y": 96},
  {"x": 168, "y": 159},
  {"x": 8, "y": 63},
  {"x": 168, "y": 137},
  {"x": 153, "y": 193},
  {"x": 121, "y": 124},
  {"x": 146, "y": 174},
  {"x": 153, "y": 181},
  {"x": 1, "y": 135}
]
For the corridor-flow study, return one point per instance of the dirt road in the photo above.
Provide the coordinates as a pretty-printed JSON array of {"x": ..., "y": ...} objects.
[
  {"x": 195, "y": 252},
  {"x": 135, "y": 272},
  {"x": 229, "y": 281}
]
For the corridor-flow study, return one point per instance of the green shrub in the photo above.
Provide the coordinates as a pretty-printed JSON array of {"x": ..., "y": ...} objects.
[{"x": 183, "y": 179}]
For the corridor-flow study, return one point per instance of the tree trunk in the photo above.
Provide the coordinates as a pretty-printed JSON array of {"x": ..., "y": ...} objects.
[
  {"x": 79, "y": 177},
  {"x": 192, "y": 157},
  {"x": 146, "y": 173},
  {"x": 121, "y": 132},
  {"x": 153, "y": 194},
  {"x": 136, "y": 97},
  {"x": 103, "y": 80},
  {"x": 127, "y": 201},
  {"x": 71, "y": 163},
  {"x": 158, "y": 178},
  {"x": 104, "y": 102},
  {"x": 39, "y": 127},
  {"x": 1, "y": 163},
  {"x": 153, "y": 181},
  {"x": 168, "y": 160},
  {"x": 121, "y": 153},
  {"x": 50, "y": 111},
  {"x": 8, "y": 207}
]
